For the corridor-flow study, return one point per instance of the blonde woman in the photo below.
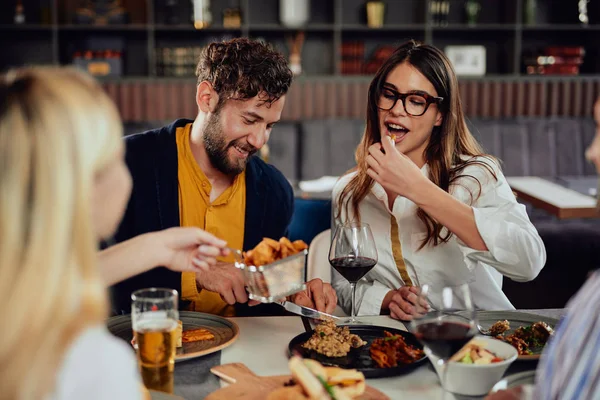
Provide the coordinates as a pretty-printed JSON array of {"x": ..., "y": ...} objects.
[{"x": 63, "y": 187}]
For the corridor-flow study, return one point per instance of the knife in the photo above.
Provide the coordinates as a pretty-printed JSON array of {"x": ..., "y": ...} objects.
[{"x": 306, "y": 311}]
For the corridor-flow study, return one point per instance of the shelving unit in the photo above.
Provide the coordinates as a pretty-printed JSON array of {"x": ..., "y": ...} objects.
[
  {"x": 50, "y": 36},
  {"x": 322, "y": 91}
]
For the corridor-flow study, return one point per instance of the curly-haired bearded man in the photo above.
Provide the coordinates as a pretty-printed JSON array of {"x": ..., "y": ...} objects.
[{"x": 202, "y": 173}]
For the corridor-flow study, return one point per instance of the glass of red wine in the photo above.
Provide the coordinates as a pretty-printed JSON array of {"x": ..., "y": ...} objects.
[
  {"x": 353, "y": 253},
  {"x": 445, "y": 321}
]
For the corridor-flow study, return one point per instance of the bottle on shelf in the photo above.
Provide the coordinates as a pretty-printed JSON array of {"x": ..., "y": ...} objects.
[
  {"x": 19, "y": 13},
  {"x": 202, "y": 16}
]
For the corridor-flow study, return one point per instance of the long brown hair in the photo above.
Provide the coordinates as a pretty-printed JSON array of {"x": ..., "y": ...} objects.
[{"x": 451, "y": 147}]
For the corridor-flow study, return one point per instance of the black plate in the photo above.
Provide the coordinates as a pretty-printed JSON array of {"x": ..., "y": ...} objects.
[{"x": 360, "y": 358}]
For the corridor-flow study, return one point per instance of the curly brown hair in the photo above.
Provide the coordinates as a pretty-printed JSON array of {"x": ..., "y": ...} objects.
[{"x": 242, "y": 69}]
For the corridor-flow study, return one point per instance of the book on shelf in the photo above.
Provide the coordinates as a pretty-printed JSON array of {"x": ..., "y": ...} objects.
[
  {"x": 553, "y": 69},
  {"x": 565, "y": 51},
  {"x": 353, "y": 55},
  {"x": 555, "y": 60}
]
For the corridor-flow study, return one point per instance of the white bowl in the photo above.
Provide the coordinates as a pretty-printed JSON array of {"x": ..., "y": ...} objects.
[{"x": 476, "y": 379}]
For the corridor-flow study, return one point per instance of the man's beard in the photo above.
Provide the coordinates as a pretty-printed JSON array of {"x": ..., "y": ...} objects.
[{"x": 218, "y": 151}]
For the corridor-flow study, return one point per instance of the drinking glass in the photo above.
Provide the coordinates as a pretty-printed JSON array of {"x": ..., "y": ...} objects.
[
  {"x": 448, "y": 325},
  {"x": 353, "y": 253},
  {"x": 154, "y": 319}
]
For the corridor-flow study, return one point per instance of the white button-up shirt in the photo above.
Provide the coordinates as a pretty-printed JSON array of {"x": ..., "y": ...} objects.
[{"x": 514, "y": 247}]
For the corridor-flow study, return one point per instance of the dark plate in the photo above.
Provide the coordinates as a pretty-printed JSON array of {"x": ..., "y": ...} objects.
[
  {"x": 226, "y": 332},
  {"x": 516, "y": 318},
  {"x": 360, "y": 358}
]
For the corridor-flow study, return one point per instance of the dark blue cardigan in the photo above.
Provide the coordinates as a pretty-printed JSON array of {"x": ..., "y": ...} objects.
[{"x": 154, "y": 205}]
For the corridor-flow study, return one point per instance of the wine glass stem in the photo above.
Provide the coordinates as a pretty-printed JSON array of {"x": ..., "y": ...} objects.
[
  {"x": 443, "y": 363},
  {"x": 353, "y": 314}
]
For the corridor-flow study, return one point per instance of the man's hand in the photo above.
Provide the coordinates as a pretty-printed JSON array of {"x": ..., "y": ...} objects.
[
  {"x": 225, "y": 279},
  {"x": 318, "y": 295}
]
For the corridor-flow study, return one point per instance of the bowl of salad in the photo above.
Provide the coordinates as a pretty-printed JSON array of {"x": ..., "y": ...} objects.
[{"x": 477, "y": 367}]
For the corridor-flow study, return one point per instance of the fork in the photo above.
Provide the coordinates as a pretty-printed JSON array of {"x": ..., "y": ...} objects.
[
  {"x": 485, "y": 332},
  {"x": 236, "y": 253}
]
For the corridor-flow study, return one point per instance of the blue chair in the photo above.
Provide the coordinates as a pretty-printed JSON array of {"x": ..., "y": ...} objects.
[{"x": 311, "y": 217}]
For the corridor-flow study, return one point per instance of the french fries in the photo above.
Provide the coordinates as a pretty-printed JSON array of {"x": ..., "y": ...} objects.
[{"x": 270, "y": 250}]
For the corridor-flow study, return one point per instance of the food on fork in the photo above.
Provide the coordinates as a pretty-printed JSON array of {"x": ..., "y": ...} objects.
[
  {"x": 499, "y": 327},
  {"x": 333, "y": 341},
  {"x": 313, "y": 381},
  {"x": 392, "y": 350},
  {"x": 270, "y": 250}
]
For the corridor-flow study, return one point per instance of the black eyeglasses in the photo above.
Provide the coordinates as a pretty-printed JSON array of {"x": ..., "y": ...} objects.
[{"x": 415, "y": 104}]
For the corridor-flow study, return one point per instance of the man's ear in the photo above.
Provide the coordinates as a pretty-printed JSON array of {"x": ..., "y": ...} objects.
[
  {"x": 439, "y": 119},
  {"x": 206, "y": 97}
]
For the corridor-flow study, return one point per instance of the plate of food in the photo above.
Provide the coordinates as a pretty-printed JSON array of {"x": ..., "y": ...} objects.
[
  {"x": 528, "y": 333},
  {"x": 201, "y": 333},
  {"x": 373, "y": 350},
  {"x": 308, "y": 380}
]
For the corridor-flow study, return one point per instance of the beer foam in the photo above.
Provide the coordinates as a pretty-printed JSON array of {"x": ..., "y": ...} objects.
[{"x": 155, "y": 325}]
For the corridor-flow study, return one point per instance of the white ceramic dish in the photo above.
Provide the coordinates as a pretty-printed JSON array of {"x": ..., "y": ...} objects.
[{"x": 476, "y": 380}]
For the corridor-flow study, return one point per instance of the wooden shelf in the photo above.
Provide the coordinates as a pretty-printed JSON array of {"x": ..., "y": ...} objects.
[
  {"x": 477, "y": 27},
  {"x": 282, "y": 28},
  {"x": 190, "y": 28},
  {"x": 26, "y": 27},
  {"x": 384, "y": 28},
  {"x": 561, "y": 27},
  {"x": 333, "y": 22},
  {"x": 105, "y": 28}
]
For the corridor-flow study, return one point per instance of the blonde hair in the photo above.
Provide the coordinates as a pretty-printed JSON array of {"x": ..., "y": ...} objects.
[{"x": 58, "y": 130}]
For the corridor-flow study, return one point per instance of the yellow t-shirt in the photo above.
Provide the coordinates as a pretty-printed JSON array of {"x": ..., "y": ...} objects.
[{"x": 224, "y": 218}]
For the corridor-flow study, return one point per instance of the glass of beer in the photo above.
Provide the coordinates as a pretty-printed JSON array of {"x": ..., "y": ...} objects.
[{"x": 154, "y": 319}]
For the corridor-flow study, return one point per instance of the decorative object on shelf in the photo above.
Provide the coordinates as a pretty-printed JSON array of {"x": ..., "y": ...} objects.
[
  {"x": 529, "y": 12},
  {"x": 19, "y": 13},
  {"x": 583, "y": 12},
  {"x": 375, "y": 13},
  {"x": 99, "y": 63},
  {"x": 467, "y": 60},
  {"x": 472, "y": 10},
  {"x": 202, "y": 16},
  {"x": 294, "y": 13},
  {"x": 555, "y": 60},
  {"x": 171, "y": 16},
  {"x": 232, "y": 17},
  {"x": 177, "y": 61},
  {"x": 100, "y": 12},
  {"x": 439, "y": 10},
  {"x": 296, "y": 43}
]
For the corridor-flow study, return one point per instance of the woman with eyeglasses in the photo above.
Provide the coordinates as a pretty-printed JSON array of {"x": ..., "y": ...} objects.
[{"x": 440, "y": 209}]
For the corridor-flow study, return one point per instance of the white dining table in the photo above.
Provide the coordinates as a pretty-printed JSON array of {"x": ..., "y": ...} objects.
[{"x": 263, "y": 344}]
